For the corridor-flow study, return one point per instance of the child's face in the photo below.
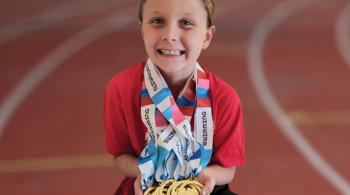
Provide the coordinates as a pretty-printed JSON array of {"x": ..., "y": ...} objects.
[{"x": 175, "y": 32}]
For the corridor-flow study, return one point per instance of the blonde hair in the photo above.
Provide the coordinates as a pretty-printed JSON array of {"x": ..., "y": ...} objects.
[{"x": 208, "y": 4}]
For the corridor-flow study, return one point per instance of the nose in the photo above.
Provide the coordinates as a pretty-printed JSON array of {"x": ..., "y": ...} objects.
[{"x": 171, "y": 33}]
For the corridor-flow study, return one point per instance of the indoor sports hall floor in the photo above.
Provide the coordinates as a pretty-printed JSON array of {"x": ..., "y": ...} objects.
[{"x": 289, "y": 60}]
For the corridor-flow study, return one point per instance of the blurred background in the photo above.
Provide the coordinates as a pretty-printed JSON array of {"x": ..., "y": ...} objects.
[{"x": 289, "y": 60}]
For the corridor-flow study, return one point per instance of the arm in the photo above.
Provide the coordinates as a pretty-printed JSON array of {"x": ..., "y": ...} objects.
[
  {"x": 215, "y": 175},
  {"x": 126, "y": 164}
]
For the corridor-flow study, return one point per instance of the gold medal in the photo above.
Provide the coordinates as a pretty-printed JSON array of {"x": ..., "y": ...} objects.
[{"x": 173, "y": 187}]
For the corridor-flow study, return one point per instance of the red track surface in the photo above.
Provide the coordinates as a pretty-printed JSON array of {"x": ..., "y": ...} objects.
[{"x": 61, "y": 117}]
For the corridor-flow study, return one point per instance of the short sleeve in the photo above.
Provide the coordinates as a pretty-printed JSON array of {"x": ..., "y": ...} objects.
[
  {"x": 117, "y": 138},
  {"x": 228, "y": 146}
]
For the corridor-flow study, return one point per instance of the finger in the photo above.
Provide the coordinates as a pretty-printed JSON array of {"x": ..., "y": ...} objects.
[
  {"x": 138, "y": 192},
  {"x": 208, "y": 187}
]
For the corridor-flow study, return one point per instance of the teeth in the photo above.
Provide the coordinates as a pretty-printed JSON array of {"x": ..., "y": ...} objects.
[{"x": 171, "y": 52}]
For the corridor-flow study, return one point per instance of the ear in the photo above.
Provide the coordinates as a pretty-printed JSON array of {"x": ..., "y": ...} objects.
[{"x": 208, "y": 36}]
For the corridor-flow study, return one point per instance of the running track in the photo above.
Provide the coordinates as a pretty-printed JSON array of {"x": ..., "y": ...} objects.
[{"x": 288, "y": 60}]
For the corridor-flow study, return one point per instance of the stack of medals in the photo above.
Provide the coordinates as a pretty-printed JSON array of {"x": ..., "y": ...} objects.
[{"x": 173, "y": 187}]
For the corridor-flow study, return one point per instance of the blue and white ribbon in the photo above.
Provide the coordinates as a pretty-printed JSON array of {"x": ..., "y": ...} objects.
[{"x": 173, "y": 151}]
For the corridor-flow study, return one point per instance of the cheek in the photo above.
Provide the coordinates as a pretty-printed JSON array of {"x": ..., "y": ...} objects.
[
  {"x": 148, "y": 35},
  {"x": 195, "y": 43},
  {"x": 149, "y": 42}
]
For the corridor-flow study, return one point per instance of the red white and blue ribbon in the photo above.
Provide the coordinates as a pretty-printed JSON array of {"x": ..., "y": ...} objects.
[{"x": 173, "y": 150}]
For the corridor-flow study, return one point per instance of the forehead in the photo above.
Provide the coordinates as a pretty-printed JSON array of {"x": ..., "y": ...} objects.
[{"x": 174, "y": 7}]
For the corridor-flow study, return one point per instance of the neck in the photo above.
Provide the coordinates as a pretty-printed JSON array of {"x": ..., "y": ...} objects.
[
  {"x": 176, "y": 81},
  {"x": 176, "y": 78}
]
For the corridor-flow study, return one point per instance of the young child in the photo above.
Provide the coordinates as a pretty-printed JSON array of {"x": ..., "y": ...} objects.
[{"x": 167, "y": 117}]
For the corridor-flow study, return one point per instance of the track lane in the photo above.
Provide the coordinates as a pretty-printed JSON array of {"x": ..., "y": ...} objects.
[
  {"x": 273, "y": 165},
  {"x": 301, "y": 55},
  {"x": 10, "y": 99},
  {"x": 49, "y": 121}
]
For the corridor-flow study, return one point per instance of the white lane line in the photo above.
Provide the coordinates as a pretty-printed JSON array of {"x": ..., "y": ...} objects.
[
  {"x": 256, "y": 72},
  {"x": 55, "y": 163},
  {"x": 48, "y": 18},
  {"x": 65, "y": 50},
  {"x": 343, "y": 33}
]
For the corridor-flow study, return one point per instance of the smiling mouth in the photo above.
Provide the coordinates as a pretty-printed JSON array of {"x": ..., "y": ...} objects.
[{"x": 170, "y": 52}]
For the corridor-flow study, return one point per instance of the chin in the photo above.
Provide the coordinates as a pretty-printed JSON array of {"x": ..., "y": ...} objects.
[
  {"x": 168, "y": 63},
  {"x": 170, "y": 67}
]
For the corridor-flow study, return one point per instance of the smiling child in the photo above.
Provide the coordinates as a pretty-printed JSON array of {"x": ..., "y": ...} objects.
[{"x": 168, "y": 117}]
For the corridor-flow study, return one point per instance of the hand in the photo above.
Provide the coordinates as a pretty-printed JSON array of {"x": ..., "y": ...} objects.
[
  {"x": 208, "y": 182},
  {"x": 137, "y": 185}
]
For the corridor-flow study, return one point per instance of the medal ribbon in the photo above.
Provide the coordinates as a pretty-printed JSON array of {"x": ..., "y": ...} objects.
[{"x": 173, "y": 151}]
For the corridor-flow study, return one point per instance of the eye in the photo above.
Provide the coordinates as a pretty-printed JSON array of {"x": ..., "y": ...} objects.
[
  {"x": 157, "y": 22},
  {"x": 185, "y": 23}
]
